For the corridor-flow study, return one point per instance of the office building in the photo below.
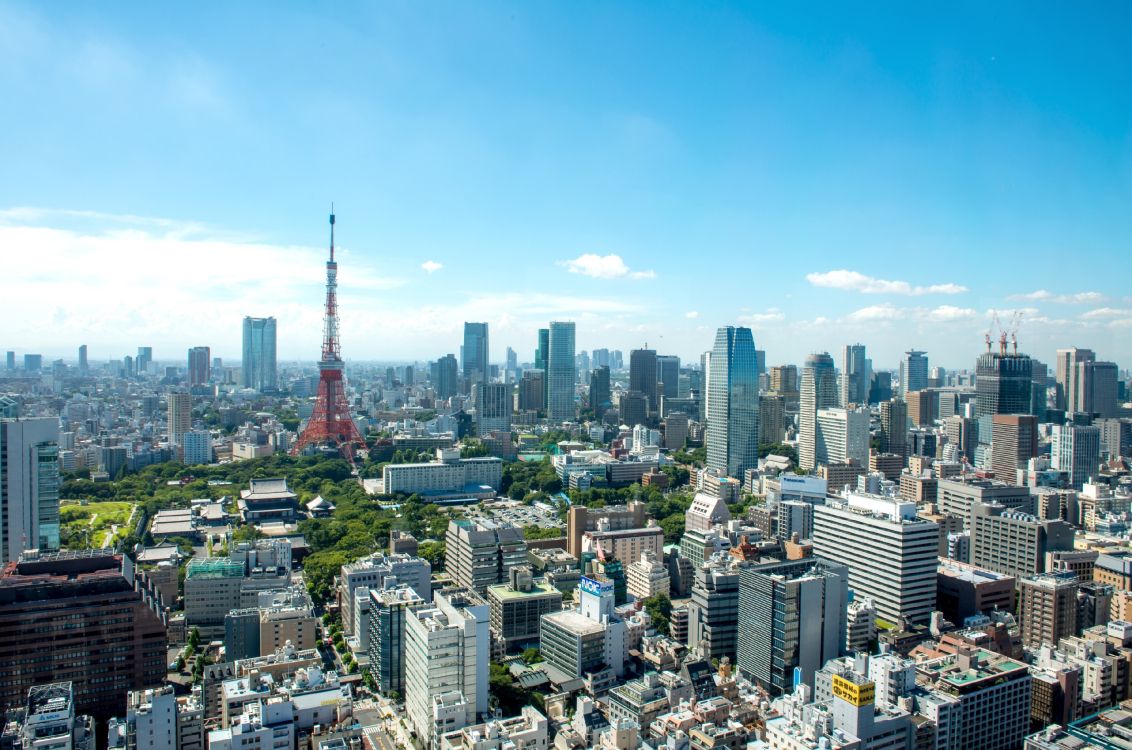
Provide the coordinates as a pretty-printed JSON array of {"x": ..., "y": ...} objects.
[
  {"x": 517, "y": 606},
  {"x": 1003, "y": 384},
  {"x": 891, "y": 554},
  {"x": 957, "y": 495},
  {"x": 476, "y": 365},
  {"x": 449, "y": 476},
  {"x": 258, "y": 365},
  {"x": 600, "y": 398},
  {"x": 180, "y": 416},
  {"x": 142, "y": 362},
  {"x": 855, "y": 377},
  {"x": 478, "y": 554},
  {"x": 1076, "y": 450},
  {"x": 713, "y": 610},
  {"x": 860, "y": 625},
  {"x": 667, "y": 377},
  {"x": 581, "y": 519},
  {"x": 893, "y": 434},
  {"x": 633, "y": 408},
  {"x": 588, "y": 642},
  {"x": 647, "y": 576},
  {"x": 1015, "y": 543},
  {"x": 560, "y": 372},
  {"x": 29, "y": 486},
  {"x": 107, "y": 636},
  {"x": 390, "y": 607},
  {"x": 1014, "y": 443},
  {"x": 527, "y": 731},
  {"x": 151, "y": 720},
  {"x": 772, "y": 419},
  {"x": 913, "y": 372},
  {"x": 445, "y": 377},
  {"x": 378, "y": 572},
  {"x": 675, "y": 431},
  {"x": 1047, "y": 608},
  {"x": 842, "y": 436},
  {"x": 447, "y": 650},
  {"x": 1069, "y": 364},
  {"x": 493, "y": 407},
  {"x": 532, "y": 391},
  {"x": 976, "y": 699},
  {"x": 643, "y": 376},
  {"x": 964, "y": 591},
  {"x": 1097, "y": 389},
  {"x": 199, "y": 366},
  {"x": 791, "y": 615},
  {"x": 818, "y": 391},
  {"x": 733, "y": 414},
  {"x": 33, "y": 363},
  {"x": 196, "y": 447},
  {"x": 47, "y": 720}
]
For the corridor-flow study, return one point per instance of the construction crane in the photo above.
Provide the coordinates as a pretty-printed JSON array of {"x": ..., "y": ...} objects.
[{"x": 1005, "y": 333}]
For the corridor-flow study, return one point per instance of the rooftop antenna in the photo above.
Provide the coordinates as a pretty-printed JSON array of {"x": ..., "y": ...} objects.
[{"x": 332, "y": 230}]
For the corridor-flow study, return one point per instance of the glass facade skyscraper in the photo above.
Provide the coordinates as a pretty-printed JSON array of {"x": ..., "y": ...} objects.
[
  {"x": 475, "y": 352},
  {"x": 818, "y": 391},
  {"x": 258, "y": 366},
  {"x": 560, "y": 371},
  {"x": 733, "y": 404}
]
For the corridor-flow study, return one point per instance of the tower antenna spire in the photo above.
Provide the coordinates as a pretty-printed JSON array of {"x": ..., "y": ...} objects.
[{"x": 332, "y": 230}]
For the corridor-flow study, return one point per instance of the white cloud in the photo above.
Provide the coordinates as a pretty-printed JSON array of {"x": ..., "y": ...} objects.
[
  {"x": 853, "y": 281},
  {"x": 772, "y": 315},
  {"x": 877, "y": 312},
  {"x": 1078, "y": 298},
  {"x": 604, "y": 267},
  {"x": 948, "y": 313},
  {"x": 431, "y": 266},
  {"x": 692, "y": 314},
  {"x": 1105, "y": 312}
]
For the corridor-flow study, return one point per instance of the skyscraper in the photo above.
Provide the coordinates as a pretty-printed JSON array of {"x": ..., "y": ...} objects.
[
  {"x": 560, "y": 372},
  {"x": 29, "y": 486},
  {"x": 893, "y": 427},
  {"x": 493, "y": 407},
  {"x": 913, "y": 371},
  {"x": 200, "y": 365},
  {"x": 854, "y": 376},
  {"x": 257, "y": 367},
  {"x": 143, "y": 360},
  {"x": 600, "y": 398},
  {"x": 733, "y": 420},
  {"x": 1003, "y": 384},
  {"x": 180, "y": 415},
  {"x": 1066, "y": 375},
  {"x": 1075, "y": 449},
  {"x": 791, "y": 616},
  {"x": 1014, "y": 441},
  {"x": 667, "y": 377},
  {"x": 1096, "y": 389},
  {"x": 642, "y": 374},
  {"x": 476, "y": 367},
  {"x": 83, "y": 366},
  {"x": 447, "y": 379},
  {"x": 818, "y": 391}
]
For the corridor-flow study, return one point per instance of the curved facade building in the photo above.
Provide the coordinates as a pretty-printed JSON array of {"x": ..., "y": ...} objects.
[{"x": 733, "y": 403}]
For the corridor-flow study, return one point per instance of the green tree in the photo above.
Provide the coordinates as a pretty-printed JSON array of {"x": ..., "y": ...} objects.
[
  {"x": 659, "y": 608},
  {"x": 531, "y": 655},
  {"x": 434, "y": 553}
]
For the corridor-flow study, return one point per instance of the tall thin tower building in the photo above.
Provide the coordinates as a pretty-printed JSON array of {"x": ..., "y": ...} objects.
[
  {"x": 913, "y": 372},
  {"x": 854, "y": 376},
  {"x": 331, "y": 423},
  {"x": 642, "y": 374},
  {"x": 258, "y": 366},
  {"x": 560, "y": 371},
  {"x": 733, "y": 420},
  {"x": 180, "y": 415},
  {"x": 818, "y": 391},
  {"x": 29, "y": 486},
  {"x": 475, "y": 352},
  {"x": 200, "y": 365}
]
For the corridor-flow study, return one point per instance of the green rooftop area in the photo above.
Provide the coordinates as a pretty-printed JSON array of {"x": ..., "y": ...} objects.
[{"x": 214, "y": 567}]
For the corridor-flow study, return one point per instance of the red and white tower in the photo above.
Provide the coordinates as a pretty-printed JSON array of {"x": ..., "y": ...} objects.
[{"x": 331, "y": 423}]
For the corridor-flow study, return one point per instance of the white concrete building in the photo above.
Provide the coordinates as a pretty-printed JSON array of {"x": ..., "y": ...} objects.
[{"x": 647, "y": 576}]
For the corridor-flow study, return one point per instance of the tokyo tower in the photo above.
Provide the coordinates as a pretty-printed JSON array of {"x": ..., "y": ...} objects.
[{"x": 331, "y": 424}]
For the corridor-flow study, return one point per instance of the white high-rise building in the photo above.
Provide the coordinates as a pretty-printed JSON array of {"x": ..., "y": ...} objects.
[
  {"x": 29, "y": 486},
  {"x": 447, "y": 647},
  {"x": 196, "y": 447},
  {"x": 152, "y": 719},
  {"x": 733, "y": 416},
  {"x": 258, "y": 366},
  {"x": 842, "y": 434},
  {"x": 180, "y": 415},
  {"x": 1075, "y": 449},
  {"x": 561, "y": 372},
  {"x": 891, "y": 554},
  {"x": 818, "y": 391}
]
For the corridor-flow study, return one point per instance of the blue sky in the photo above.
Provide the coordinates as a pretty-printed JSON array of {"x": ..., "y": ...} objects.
[{"x": 823, "y": 175}]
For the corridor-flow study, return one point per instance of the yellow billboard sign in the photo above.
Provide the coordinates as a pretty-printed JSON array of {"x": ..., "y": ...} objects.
[{"x": 851, "y": 692}]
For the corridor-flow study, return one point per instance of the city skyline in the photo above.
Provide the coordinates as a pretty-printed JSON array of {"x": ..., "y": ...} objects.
[{"x": 968, "y": 172}]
